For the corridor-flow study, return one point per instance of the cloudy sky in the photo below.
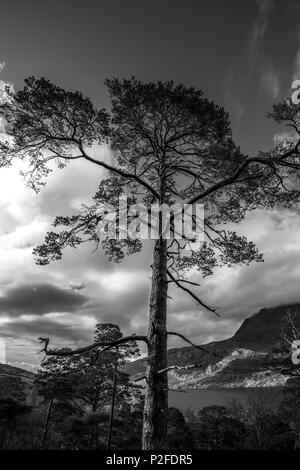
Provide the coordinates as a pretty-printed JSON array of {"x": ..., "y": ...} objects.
[{"x": 243, "y": 55}]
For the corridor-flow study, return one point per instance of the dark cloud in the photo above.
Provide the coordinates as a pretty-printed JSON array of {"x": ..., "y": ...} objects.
[
  {"x": 40, "y": 298},
  {"x": 21, "y": 335},
  {"x": 59, "y": 332},
  {"x": 275, "y": 282}
]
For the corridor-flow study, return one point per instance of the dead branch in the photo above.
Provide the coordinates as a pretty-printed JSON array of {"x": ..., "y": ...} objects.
[
  {"x": 107, "y": 345},
  {"x": 194, "y": 345},
  {"x": 186, "y": 282},
  {"x": 293, "y": 333},
  {"x": 191, "y": 366},
  {"x": 194, "y": 296}
]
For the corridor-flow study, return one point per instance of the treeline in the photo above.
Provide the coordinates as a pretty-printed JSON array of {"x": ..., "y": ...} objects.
[
  {"x": 87, "y": 402},
  {"x": 252, "y": 426}
]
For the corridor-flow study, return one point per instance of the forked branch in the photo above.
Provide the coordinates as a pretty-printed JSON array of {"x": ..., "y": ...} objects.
[
  {"x": 194, "y": 296},
  {"x": 234, "y": 177}
]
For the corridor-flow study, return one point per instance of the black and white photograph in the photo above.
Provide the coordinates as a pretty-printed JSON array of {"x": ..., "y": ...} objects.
[{"x": 149, "y": 228}]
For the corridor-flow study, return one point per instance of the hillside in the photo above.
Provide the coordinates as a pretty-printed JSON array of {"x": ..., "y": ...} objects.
[
  {"x": 16, "y": 383},
  {"x": 244, "y": 356},
  {"x": 7, "y": 370}
]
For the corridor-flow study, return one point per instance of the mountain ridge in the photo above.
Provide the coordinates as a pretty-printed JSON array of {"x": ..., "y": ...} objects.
[{"x": 259, "y": 333}]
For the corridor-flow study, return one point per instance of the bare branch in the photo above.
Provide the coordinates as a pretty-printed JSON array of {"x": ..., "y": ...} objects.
[
  {"x": 201, "y": 348},
  {"x": 192, "y": 366},
  {"x": 186, "y": 281},
  {"x": 192, "y": 294},
  {"x": 291, "y": 323},
  {"x": 107, "y": 344}
]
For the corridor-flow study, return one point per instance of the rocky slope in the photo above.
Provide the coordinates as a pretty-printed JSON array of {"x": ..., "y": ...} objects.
[{"x": 244, "y": 356}]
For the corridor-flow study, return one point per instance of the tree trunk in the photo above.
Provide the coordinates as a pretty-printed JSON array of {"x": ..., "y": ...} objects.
[
  {"x": 156, "y": 399},
  {"x": 3, "y": 436},
  {"x": 112, "y": 409},
  {"x": 46, "y": 425}
]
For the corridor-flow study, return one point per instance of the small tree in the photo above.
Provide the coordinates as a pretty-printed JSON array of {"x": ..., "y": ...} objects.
[
  {"x": 178, "y": 435},
  {"x": 54, "y": 382},
  {"x": 289, "y": 408},
  {"x": 275, "y": 434},
  {"x": 258, "y": 406},
  {"x": 87, "y": 383},
  {"x": 284, "y": 358},
  {"x": 170, "y": 146},
  {"x": 216, "y": 430}
]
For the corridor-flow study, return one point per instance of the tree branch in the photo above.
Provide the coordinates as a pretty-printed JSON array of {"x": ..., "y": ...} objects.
[
  {"x": 192, "y": 366},
  {"x": 236, "y": 174},
  {"x": 201, "y": 348},
  {"x": 186, "y": 282},
  {"x": 107, "y": 344},
  {"x": 192, "y": 294},
  {"x": 118, "y": 171}
]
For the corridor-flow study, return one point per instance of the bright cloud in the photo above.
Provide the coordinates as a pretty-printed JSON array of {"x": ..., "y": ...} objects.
[{"x": 270, "y": 81}]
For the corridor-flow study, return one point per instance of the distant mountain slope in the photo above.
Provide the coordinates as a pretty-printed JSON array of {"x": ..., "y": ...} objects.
[
  {"x": 6, "y": 369},
  {"x": 263, "y": 330},
  {"x": 16, "y": 383},
  {"x": 244, "y": 354}
]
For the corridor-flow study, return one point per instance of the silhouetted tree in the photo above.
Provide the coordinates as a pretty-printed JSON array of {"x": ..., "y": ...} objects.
[
  {"x": 178, "y": 435},
  {"x": 289, "y": 408},
  {"x": 86, "y": 384},
  {"x": 215, "y": 430},
  {"x": 170, "y": 145},
  {"x": 274, "y": 434}
]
